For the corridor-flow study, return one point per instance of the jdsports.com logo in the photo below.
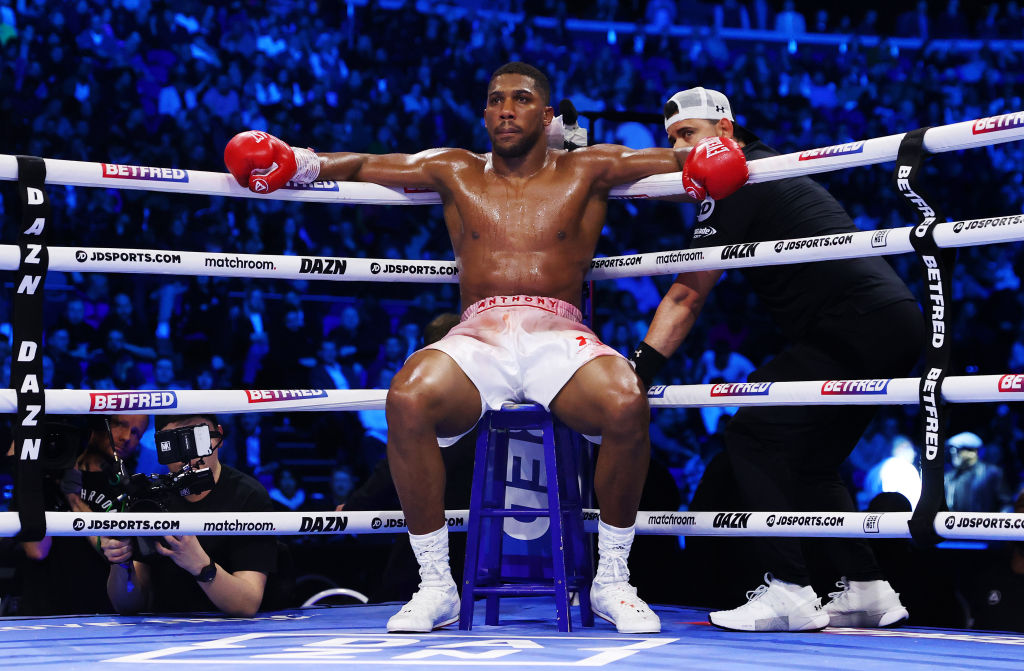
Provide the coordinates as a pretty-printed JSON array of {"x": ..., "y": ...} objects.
[
  {"x": 78, "y": 524},
  {"x": 81, "y": 256},
  {"x": 413, "y": 269},
  {"x": 950, "y": 521}
]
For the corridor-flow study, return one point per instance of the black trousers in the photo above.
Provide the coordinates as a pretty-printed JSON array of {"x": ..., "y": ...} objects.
[{"x": 788, "y": 458}]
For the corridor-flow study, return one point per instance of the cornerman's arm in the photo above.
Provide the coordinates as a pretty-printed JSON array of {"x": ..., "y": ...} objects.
[{"x": 678, "y": 310}]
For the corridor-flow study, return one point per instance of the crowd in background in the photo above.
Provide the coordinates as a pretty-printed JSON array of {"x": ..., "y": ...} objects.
[{"x": 148, "y": 82}]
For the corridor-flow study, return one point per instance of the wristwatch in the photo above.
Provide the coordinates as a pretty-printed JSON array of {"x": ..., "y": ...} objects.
[{"x": 207, "y": 574}]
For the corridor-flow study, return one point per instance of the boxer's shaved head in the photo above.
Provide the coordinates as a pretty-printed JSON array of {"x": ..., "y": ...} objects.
[{"x": 527, "y": 70}]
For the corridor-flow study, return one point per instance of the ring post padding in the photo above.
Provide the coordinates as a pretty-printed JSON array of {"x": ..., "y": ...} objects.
[
  {"x": 937, "y": 265},
  {"x": 27, "y": 355}
]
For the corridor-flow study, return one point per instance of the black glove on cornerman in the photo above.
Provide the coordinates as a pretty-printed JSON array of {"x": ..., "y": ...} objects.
[{"x": 647, "y": 362}]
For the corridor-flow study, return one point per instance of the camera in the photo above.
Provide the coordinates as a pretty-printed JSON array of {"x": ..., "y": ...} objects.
[
  {"x": 184, "y": 444},
  {"x": 156, "y": 493}
]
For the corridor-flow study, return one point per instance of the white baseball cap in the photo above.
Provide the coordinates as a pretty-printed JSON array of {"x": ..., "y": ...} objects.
[
  {"x": 965, "y": 441},
  {"x": 699, "y": 103}
]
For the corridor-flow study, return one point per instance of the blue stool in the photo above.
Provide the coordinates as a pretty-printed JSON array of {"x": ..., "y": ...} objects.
[{"x": 571, "y": 551}]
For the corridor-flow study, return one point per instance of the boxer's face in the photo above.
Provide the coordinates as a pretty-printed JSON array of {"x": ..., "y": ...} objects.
[
  {"x": 515, "y": 115},
  {"x": 688, "y": 132}
]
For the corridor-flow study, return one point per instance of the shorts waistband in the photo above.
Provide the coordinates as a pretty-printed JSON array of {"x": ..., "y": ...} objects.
[{"x": 552, "y": 305}]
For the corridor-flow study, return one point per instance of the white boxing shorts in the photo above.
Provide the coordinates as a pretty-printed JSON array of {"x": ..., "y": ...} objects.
[{"x": 519, "y": 348}]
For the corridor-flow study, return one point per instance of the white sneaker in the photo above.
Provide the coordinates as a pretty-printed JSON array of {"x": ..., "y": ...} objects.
[
  {"x": 430, "y": 608},
  {"x": 870, "y": 603},
  {"x": 775, "y": 606},
  {"x": 618, "y": 603}
]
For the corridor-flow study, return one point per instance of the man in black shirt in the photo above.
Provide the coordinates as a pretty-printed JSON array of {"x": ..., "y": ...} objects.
[
  {"x": 192, "y": 573},
  {"x": 847, "y": 319}
]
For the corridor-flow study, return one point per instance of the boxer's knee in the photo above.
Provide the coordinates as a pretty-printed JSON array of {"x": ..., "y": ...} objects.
[
  {"x": 625, "y": 415},
  {"x": 411, "y": 408}
]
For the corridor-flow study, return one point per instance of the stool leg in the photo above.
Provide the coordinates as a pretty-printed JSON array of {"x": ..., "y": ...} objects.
[
  {"x": 496, "y": 525},
  {"x": 562, "y": 606},
  {"x": 576, "y": 467},
  {"x": 471, "y": 569}
]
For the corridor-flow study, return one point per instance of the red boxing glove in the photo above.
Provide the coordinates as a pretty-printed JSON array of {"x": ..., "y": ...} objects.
[
  {"x": 259, "y": 161},
  {"x": 716, "y": 167}
]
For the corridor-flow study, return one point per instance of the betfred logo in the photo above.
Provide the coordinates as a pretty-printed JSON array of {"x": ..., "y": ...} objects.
[
  {"x": 997, "y": 123},
  {"x": 741, "y": 389},
  {"x": 144, "y": 172},
  {"x": 834, "y": 150},
  {"x": 269, "y": 395},
  {"x": 1011, "y": 383},
  {"x": 854, "y": 387},
  {"x": 312, "y": 186},
  {"x": 113, "y": 401}
]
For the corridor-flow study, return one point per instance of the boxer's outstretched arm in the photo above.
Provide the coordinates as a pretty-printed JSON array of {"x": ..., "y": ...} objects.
[
  {"x": 678, "y": 310},
  {"x": 615, "y": 164},
  {"x": 425, "y": 169},
  {"x": 263, "y": 163}
]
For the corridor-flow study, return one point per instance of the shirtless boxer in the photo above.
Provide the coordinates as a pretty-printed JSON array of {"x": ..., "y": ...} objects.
[{"x": 524, "y": 222}]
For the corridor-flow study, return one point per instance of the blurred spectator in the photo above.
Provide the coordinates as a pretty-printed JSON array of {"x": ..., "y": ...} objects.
[
  {"x": 357, "y": 346},
  {"x": 82, "y": 337},
  {"x": 914, "y": 23},
  {"x": 287, "y": 494},
  {"x": 136, "y": 334},
  {"x": 896, "y": 473},
  {"x": 717, "y": 365},
  {"x": 342, "y": 484},
  {"x": 66, "y": 371},
  {"x": 165, "y": 377},
  {"x": 974, "y": 485},
  {"x": 789, "y": 21},
  {"x": 391, "y": 358}
]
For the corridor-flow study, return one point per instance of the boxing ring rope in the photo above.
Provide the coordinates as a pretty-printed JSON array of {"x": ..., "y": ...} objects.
[
  {"x": 884, "y": 241},
  {"x": 952, "y": 137},
  {"x": 968, "y": 134},
  {"x": 896, "y": 391},
  {"x": 949, "y": 525}
]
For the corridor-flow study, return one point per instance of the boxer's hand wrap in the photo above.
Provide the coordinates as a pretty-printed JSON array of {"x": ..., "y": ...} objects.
[
  {"x": 716, "y": 167},
  {"x": 307, "y": 166},
  {"x": 647, "y": 362}
]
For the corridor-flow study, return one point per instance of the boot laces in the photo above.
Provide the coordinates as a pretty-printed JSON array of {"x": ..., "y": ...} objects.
[{"x": 844, "y": 587}]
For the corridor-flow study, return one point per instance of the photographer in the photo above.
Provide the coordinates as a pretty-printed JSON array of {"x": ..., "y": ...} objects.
[
  {"x": 61, "y": 575},
  {"x": 186, "y": 573}
]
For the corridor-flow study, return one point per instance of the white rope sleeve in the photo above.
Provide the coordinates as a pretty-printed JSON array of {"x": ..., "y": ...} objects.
[
  {"x": 963, "y": 135},
  {"x": 977, "y": 526},
  {"x": 897, "y": 391},
  {"x": 769, "y": 252}
]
